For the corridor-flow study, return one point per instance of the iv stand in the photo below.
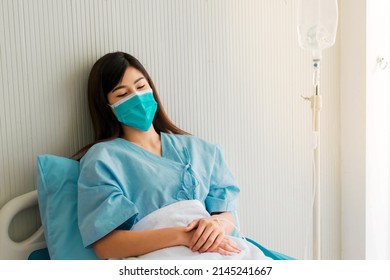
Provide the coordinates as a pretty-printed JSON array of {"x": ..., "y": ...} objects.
[
  {"x": 317, "y": 29},
  {"x": 316, "y": 104}
]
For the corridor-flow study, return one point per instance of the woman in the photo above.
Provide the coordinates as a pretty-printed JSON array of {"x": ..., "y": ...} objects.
[{"x": 141, "y": 162}]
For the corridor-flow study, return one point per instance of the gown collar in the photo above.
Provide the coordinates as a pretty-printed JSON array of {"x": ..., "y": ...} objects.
[{"x": 169, "y": 150}]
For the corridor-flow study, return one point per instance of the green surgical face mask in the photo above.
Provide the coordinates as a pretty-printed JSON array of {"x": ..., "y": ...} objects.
[{"x": 136, "y": 110}]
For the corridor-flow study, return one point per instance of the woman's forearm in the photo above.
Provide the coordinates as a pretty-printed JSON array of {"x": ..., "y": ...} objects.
[{"x": 131, "y": 243}]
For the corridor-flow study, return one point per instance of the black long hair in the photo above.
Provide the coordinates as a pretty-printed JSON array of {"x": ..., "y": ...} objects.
[{"x": 105, "y": 74}]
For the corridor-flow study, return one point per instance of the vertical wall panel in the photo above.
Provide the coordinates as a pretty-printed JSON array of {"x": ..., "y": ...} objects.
[{"x": 228, "y": 71}]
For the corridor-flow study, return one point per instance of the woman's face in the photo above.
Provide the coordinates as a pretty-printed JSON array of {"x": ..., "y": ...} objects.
[{"x": 133, "y": 80}]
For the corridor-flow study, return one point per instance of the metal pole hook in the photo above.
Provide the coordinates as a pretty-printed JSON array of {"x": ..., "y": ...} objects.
[{"x": 382, "y": 63}]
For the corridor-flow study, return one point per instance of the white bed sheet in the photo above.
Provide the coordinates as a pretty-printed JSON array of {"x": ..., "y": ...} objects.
[{"x": 181, "y": 214}]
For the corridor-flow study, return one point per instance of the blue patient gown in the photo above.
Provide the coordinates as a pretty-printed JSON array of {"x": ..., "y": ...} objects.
[{"x": 120, "y": 182}]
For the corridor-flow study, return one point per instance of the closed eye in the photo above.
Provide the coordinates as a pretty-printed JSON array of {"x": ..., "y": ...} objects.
[{"x": 122, "y": 95}]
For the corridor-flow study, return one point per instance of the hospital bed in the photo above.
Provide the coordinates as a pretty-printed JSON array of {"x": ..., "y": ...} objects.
[
  {"x": 59, "y": 236},
  {"x": 35, "y": 247}
]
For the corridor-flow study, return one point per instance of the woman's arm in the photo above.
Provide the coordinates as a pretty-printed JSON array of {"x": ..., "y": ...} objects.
[{"x": 132, "y": 243}]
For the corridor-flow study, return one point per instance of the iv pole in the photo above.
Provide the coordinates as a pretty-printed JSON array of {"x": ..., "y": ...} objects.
[
  {"x": 317, "y": 28},
  {"x": 316, "y": 105}
]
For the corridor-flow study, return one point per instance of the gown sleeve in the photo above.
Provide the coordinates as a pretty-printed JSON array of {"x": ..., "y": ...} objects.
[
  {"x": 223, "y": 193},
  {"x": 102, "y": 205}
]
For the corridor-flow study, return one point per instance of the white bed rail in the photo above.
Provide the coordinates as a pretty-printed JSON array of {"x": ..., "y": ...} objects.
[{"x": 9, "y": 249}]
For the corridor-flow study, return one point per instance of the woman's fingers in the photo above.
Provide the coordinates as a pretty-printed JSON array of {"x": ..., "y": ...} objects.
[
  {"x": 226, "y": 245},
  {"x": 211, "y": 241},
  {"x": 216, "y": 243},
  {"x": 231, "y": 248},
  {"x": 231, "y": 244},
  {"x": 192, "y": 225},
  {"x": 205, "y": 234},
  {"x": 199, "y": 237},
  {"x": 223, "y": 252}
]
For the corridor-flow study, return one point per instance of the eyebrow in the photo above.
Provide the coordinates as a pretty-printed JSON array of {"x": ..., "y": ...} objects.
[{"x": 123, "y": 86}]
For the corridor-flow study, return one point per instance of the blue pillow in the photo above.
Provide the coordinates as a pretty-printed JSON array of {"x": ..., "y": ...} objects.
[{"x": 57, "y": 198}]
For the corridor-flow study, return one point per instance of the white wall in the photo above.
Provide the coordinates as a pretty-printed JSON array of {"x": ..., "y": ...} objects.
[
  {"x": 365, "y": 136},
  {"x": 229, "y": 71},
  {"x": 353, "y": 127},
  {"x": 378, "y": 132}
]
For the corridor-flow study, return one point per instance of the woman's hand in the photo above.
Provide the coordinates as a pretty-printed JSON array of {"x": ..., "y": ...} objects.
[
  {"x": 209, "y": 236},
  {"x": 227, "y": 247}
]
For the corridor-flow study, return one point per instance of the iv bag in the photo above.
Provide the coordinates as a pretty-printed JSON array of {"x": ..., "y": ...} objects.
[{"x": 317, "y": 24}]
